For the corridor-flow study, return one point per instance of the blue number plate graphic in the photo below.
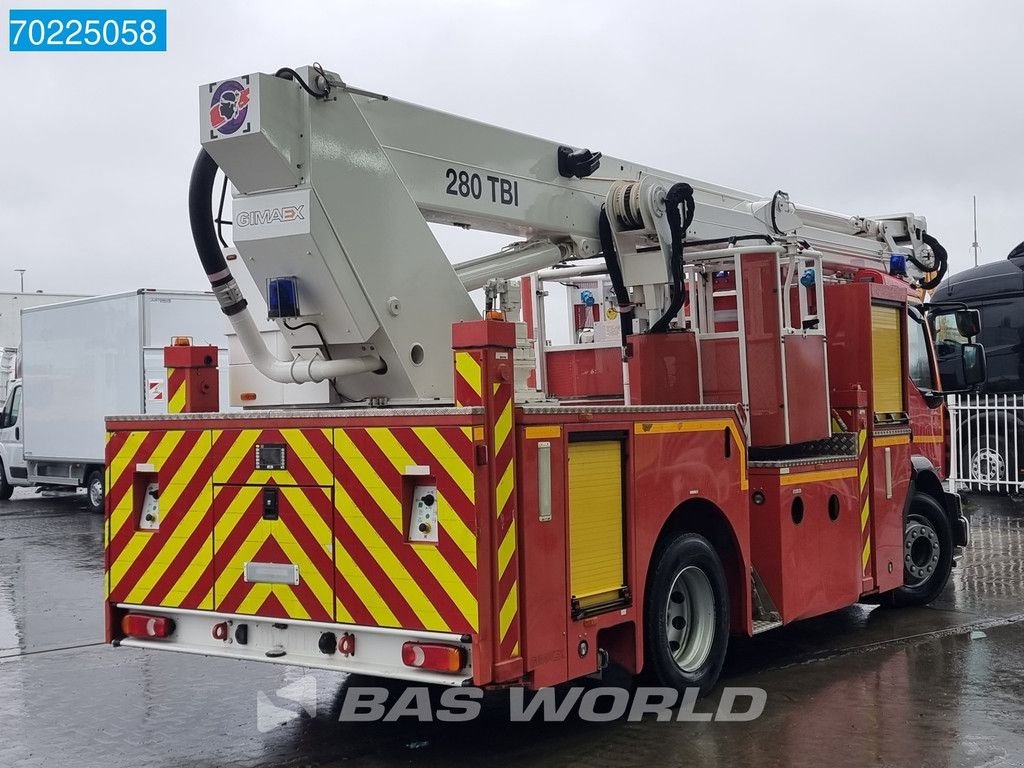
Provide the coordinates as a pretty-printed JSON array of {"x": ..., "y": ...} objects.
[{"x": 87, "y": 30}]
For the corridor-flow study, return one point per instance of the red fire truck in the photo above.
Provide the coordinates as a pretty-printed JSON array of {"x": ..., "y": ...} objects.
[{"x": 755, "y": 436}]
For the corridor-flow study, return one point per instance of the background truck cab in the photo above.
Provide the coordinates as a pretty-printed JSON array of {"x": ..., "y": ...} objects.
[
  {"x": 12, "y": 461},
  {"x": 990, "y": 424}
]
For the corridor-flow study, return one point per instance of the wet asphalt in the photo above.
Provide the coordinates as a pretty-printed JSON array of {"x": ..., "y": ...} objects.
[{"x": 936, "y": 686}]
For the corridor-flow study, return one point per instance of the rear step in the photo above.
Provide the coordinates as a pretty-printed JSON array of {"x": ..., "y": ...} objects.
[
  {"x": 766, "y": 615},
  {"x": 764, "y": 626}
]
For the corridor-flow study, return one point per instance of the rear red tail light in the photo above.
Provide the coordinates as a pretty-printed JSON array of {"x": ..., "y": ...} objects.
[
  {"x": 434, "y": 656},
  {"x": 141, "y": 625}
]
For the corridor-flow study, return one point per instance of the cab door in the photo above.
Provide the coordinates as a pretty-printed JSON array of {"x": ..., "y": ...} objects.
[{"x": 12, "y": 432}]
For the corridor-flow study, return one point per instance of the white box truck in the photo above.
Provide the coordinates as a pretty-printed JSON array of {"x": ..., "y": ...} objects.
[
  {"x": 11, "y": 305},
  {"x": 88, "y": 359}
]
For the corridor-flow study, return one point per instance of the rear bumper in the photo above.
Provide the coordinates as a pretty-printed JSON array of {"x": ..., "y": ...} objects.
[{"x": 376, "y": 651}]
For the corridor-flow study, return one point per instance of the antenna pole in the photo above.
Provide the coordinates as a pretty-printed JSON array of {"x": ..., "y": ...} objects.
[{"x": 974, "y": 245}]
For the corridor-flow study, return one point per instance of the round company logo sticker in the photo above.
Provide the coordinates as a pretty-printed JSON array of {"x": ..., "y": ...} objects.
[{"x": 229, "y": 107}]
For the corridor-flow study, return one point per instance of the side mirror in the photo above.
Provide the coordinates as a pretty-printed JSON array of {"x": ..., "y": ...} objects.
[
  {"x": 973, "y": 358},
  {"x": 3, "y": 421},
  {"x": 964, "y": 369},
  {"x": 968, "y": 323}
]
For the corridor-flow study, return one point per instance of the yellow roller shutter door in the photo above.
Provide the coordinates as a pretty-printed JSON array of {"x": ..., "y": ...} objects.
[
  {"x": 887, "y": 359},
  {"x": 596, "y": 537}
]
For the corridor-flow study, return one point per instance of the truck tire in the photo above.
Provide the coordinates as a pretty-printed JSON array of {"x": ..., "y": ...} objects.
[
  {"x": 686, "y": 615},
  {"x": 927, "y": 553},
  {"x": 6, "y": 489},
  {"x": 94, "y": 492}
]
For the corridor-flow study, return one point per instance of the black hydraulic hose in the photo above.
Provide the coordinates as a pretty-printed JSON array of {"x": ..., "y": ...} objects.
[
  {"x": 775, "y": 199},
  {"x": 611, "y": 263},
  {"x": 678, "y": 195},
  {"x": 287, "y": 73},
  {"x": 730, "y": 241},
  {"x": 204, "y": 235},
  {"x": 941, "y": 260}
]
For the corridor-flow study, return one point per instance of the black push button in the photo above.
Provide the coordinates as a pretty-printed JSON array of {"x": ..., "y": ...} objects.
[{"x": 270, "y": 504}]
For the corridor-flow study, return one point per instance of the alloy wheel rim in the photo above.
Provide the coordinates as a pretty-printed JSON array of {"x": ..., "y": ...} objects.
[
  {"x": 921, "y": 550},
  {"x": 987, "y": 466},
  {"x": 95, "y": 493},
  {"x": 690, "y": 619}
]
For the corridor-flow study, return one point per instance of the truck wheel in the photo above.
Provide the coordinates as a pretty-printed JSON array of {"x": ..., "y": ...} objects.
[
  {"x": 94, "y": 491},
  {"x": 6, "y": 489},
  {"x": 686, "y": 615},
  {"x": 927, "y": 553},
  {"x": 989, "y": 465}
]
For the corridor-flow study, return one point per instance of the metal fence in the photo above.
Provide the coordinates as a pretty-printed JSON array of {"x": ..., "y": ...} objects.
[{"x": 986, "y": 432}]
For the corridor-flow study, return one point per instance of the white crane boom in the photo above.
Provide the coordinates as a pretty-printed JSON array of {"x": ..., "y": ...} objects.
[{"x": 333, "y": 189}]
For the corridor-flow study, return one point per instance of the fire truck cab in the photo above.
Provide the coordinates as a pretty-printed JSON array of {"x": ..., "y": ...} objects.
[{"x": 754, "y": 435}]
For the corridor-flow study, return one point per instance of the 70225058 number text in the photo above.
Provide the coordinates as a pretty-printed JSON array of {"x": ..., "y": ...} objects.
[{"x": 87, "y": 30}]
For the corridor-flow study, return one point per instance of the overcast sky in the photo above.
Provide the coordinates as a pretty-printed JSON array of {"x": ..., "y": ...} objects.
[{"x": 859, "y": 106}]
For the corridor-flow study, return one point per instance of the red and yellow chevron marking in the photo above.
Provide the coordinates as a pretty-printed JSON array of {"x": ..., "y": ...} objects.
[
  {"x": 300, "y": 536},
  {"x": 177, "y": 389},
  {"x": 343, "y": 502},
  {"x": 505, "y": 523},
  {"x": 308, "y": 462},
  {"x": 865, "y": 500},
  {"x": 171, "y": 566},
  {"x": 468, "y": 378},
  {"x": 381, "y": 578}
]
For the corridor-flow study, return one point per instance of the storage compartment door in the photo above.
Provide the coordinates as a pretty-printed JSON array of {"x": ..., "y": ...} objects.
[
  {"x": 596, "y": 531},
  {"x": 273, "y": 551}
]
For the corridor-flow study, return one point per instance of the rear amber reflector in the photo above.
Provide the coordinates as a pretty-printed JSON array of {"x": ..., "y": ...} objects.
[
  {"x": 141, "y": 625},
  {"x": 248, "y": 396},
  {"x": 434, "y": 656}
]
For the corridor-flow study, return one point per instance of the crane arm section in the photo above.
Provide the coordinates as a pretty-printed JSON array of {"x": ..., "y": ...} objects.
[{"x": 520, "y": 191}]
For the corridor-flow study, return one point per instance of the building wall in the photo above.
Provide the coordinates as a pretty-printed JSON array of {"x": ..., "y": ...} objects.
[{"x": 11, "y": 305}]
